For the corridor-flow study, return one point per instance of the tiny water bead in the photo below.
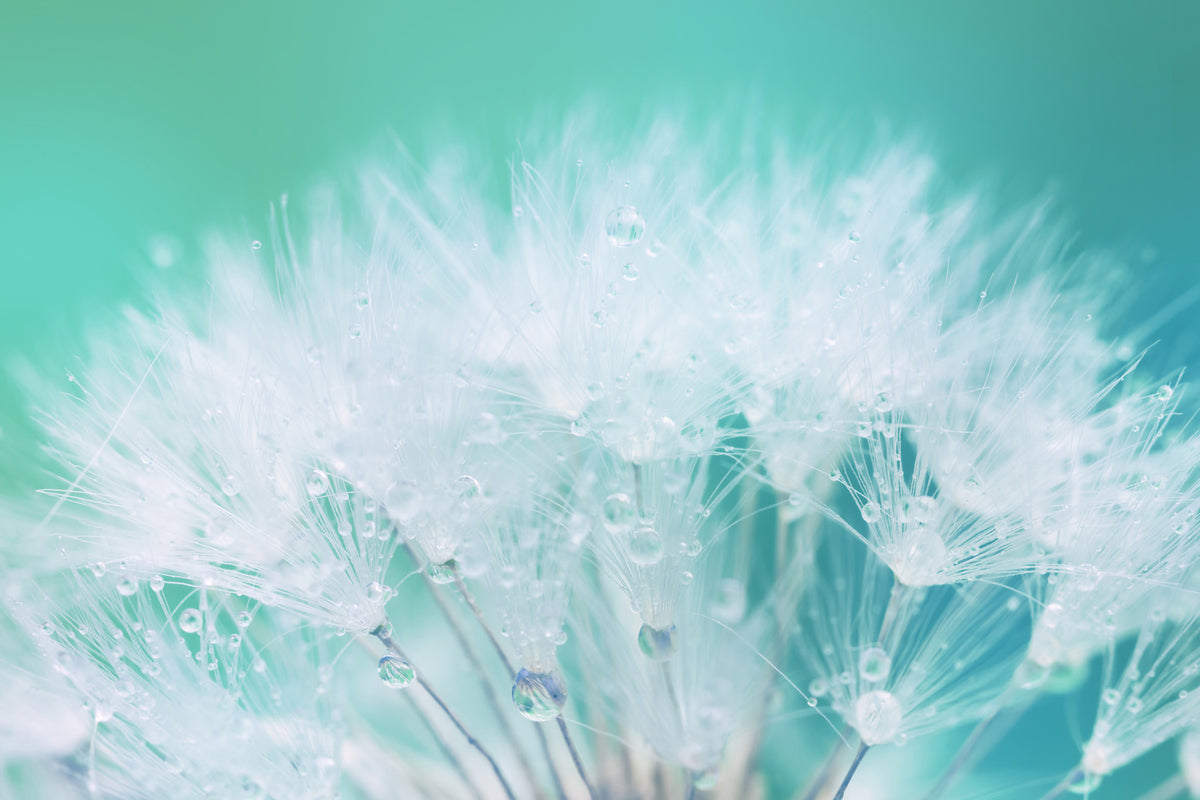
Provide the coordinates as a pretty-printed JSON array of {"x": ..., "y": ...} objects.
[
  {"x": 624, "y": 226},
  {"x": 871, "y": 512},
  {"x": 376, "y": 592},
  {"x": 618, "y": 513},
  {"x": 877, "y": 717},
  {"x": 127, "y": 586},
  {"x": 317, "y": 483},
  {"x": 440, "y": 573},
  {"x": 157, "y": 583},
  {"x": 539, "y": 696},
  {"x": 874, "y": 664},
  {"x": 189, "y": 620},
  {"x": 403, "y": 500},
  {"x": 645, "y": 546},
  {"x": 658, "y": 644},
  {"x": 396, "y": 672}
]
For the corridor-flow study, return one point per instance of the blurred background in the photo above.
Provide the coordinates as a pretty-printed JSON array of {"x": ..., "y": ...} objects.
[{"x": 130, "y": 130}]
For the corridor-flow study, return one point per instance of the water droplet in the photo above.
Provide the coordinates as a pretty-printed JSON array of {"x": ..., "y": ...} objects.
[
  {"x": 231, "y": 485},
  {"x": 874, "y": 664},
  {"x": 1164, "y": 393},
  {"x": 317, "y": 483},
  {"x": 877, "y": 717},
  {"x": 629, "y": 272},
  {"x": 645, "y": 546},
  {"x": 127, "y": 586},
  {"x": 403, "y": 501},
  {"x": 871, "y": 512},
  {"x": 256, "y": 245},
  {"x": 624, "y": 226},
  {"x": 819, "y": 687},
  {"x": 376, "y": 592},
  {"x": 658, "y": 644},
  {"x": 855, "y": 236},
  {"x": 189, "y": 620},
  {"x": 1111, "y": 697},
  {"x": 599, "y": 318},
  {"x": 99, "y": 568},
  {"x": 396, "y": 672},
  {"x": 361, "y": 300},
  {"x": 157, "y": 583},
  {"x": 467, "y": 489},
  {"x": 618, "y": 513},
  {"x": 440, "y": 573},
  {"x": 729, "y": 601},
  {"x": 243, "y": 619},
  {"x": 539, "y": 696}
]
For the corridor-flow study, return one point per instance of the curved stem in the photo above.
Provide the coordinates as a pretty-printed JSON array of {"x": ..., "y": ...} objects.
[
  {"x": 862, "y": 751},
  {"x": 562, "y": 726},
  {"x": 391, "y": 645},
  {"x": 1064, "y": 784}
]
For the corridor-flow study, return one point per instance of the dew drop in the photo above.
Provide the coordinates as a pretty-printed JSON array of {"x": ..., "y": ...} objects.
[
  {"x": 361, "y": 300},
  {"x": 877, "y": 717},
  {"x": 375, "y": 592},
  {"x": 317, "y": 483},
  {"x": 157, "y": 583},
  {"x": 645, "y": 546},
  {"x": 440, "y": 573},
  {"x": 256, "y": 245},
  {"x": 658, "y": 644},
  {"x": 874, "y": 664},
  {"x": 855, "y": 236},
  {"x": 403, "y": 500},
  {"x": 629, "y": 272},
  {"x": 729, "y": 601},
  {"x": 871, "y": 512},
  {"x": 618, "y": 513},
  {"x": 624, "y": 226},
  {"x": 1164, "y": 393},
  {"x": 539, "y": 696},
  {"x": 127, "y": 586},
  {"x": 189, "y": 620},
  {"x": 396, "y": 672},
  {"x": 819, "y": 687},
  {"x": 231, "y": 485}
]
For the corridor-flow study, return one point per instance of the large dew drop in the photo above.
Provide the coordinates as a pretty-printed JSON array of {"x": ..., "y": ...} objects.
[
  {"x": 539, "y": 696},
  {"x": 624, "y": 226},
  {"x": 658, "y": 644},
  {"x": 645, "y": 546},
  {"x": 189, "y": 620},
  {"x": 396, "y": 672},
  {"x": 874, "y": 664},
  {"x": 403, "y": 501},
  {"x": 877, "y": 716},
  {"x": 618, "y": 513}
]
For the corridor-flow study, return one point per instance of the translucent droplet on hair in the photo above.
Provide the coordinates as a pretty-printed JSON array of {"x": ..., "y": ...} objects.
[
  {"x": 403, "y": 501},
  {"x": 877, "y": 717},
  {"x": 871, "y": 512},
  {"x": 127, "y": 586},
  {"x": 189, "y": 620},
  {"x": 440, "y": 573},
  {"x": 618, "y": 513},
  {"x": 645, "y": 546},
  {"x": 874, "y": 664},
  {"x": 539, "y": 696},
  {"x": 658, "y": 644},
  {"x": 624, "y": 226},
  {"x": 157, "y": 583},
  {"x": 396, "y": 672},
  {"x": 729, "y": 601},
  {"x": 317, "y": 483}
]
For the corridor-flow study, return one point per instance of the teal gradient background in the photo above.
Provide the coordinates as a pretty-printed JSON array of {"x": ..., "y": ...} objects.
[{"x": 123, "y": 120}]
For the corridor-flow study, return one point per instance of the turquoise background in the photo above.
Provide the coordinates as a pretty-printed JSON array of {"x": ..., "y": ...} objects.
[{"x": 122, "y": 120}]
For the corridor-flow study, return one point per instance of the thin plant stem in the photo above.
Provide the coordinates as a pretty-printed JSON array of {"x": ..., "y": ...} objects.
[
  {"x": 444, "y": 747},
  {"x": 512, "y": 674},
  {"x": 823, "y": 777},
  {"x": 391, "y": 645},
  {"x": 1171, "y": 787},
  {"x": 489, "y": 689},
  {"x": 562, "y": 726},
  {"x": 862, "y": 751},
  {"x": 1065, "y": 784}
]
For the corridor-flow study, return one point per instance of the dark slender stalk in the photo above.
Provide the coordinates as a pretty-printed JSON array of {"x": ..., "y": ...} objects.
[
  {"x": 862, "y": 751},
  {"x": 1064, "y": 784},
  {"x": 545, "y": 745},
  {"x": 489, "y": 689},
  {"x": 823, "y": 777},
  {"x": 562, "y": 726},
  {"x": 381, "y": 634},
  {"x": 444, "y": 747}
]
